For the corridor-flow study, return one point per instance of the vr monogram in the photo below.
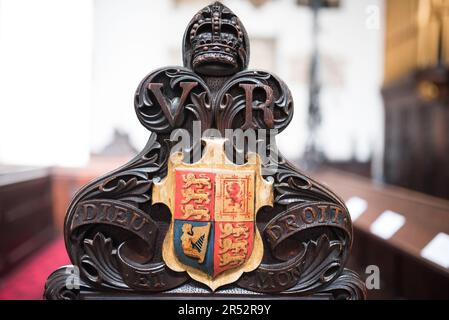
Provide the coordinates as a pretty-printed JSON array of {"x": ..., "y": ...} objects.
[{"x": 172, "y": 109}]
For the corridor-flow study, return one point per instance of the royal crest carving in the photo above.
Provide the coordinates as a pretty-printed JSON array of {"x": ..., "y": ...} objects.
[
  {"x": 214, "y": 211},
  {"x": 213, "y": 204}
]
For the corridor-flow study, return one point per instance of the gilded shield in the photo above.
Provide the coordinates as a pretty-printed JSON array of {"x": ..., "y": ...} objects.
[{"x": 213, "y": 235}]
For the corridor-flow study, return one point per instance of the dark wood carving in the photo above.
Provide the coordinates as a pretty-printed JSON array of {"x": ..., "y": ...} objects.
[{"x": 114, "y": 234}]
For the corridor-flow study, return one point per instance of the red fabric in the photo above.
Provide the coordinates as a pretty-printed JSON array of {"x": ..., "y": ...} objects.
[{"x": 28, "y": 280}]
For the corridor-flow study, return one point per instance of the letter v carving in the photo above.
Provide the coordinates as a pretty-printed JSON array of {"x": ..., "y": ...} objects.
[{"x": 172, "y": 110}]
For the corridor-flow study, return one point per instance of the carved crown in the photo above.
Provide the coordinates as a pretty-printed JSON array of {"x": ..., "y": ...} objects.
[{"x": 216, "y": 42}]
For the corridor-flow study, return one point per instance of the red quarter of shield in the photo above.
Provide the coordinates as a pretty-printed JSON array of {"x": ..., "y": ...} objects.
[{"x": 194, "y": 197}]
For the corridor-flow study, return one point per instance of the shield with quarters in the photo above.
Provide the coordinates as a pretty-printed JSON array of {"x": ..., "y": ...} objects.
[{"x": 213, "y": 202}]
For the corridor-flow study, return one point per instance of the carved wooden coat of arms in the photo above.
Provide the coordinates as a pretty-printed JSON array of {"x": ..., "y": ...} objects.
[
  {"x": 214, "y": 204},
  {"x": 209, "y": 205}
]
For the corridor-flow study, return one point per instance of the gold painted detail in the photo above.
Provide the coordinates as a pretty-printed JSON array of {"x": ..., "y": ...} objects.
[
  {"x": 195, "y": 212},
  {"x": 202, "y": 180},
  {"x": 236, "y": 195},
  {"x": 233, "y": 245},
  {"x": 194, "y": 241},
  {"x": 197, "y": 189},
  {"x": 240, "y": 230}
]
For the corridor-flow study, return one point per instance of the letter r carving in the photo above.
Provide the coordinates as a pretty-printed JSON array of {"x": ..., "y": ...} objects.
[{"x": 265, "y": 107}]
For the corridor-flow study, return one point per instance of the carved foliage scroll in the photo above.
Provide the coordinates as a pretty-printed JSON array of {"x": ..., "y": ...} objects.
[
  {"x": 172, "y": 98},
  {"x": 254, "y": 100}
]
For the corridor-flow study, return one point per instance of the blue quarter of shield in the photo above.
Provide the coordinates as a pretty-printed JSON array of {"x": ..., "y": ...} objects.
[{"x": 193, "y": 242}]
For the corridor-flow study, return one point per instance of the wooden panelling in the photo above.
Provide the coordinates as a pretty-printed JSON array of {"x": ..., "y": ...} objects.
[
  {"x": 416, "y": 151},
  {"x": 414, "y": 32},
  {"x": 399, "y": 257},
  {"x": 26, "y": 221}
]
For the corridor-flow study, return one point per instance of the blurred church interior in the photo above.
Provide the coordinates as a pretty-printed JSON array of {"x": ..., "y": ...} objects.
[{"x": 370, "y": 81}]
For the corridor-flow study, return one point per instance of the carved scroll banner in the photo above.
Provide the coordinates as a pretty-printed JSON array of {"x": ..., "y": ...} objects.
[
  {"x": 128, "y": 272},
  {"x": 117, "y": 214},
  {"x": 301, "y": 217},
  {"x": 291, "y": 273},
  {"x": 214, "y": 214}
]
